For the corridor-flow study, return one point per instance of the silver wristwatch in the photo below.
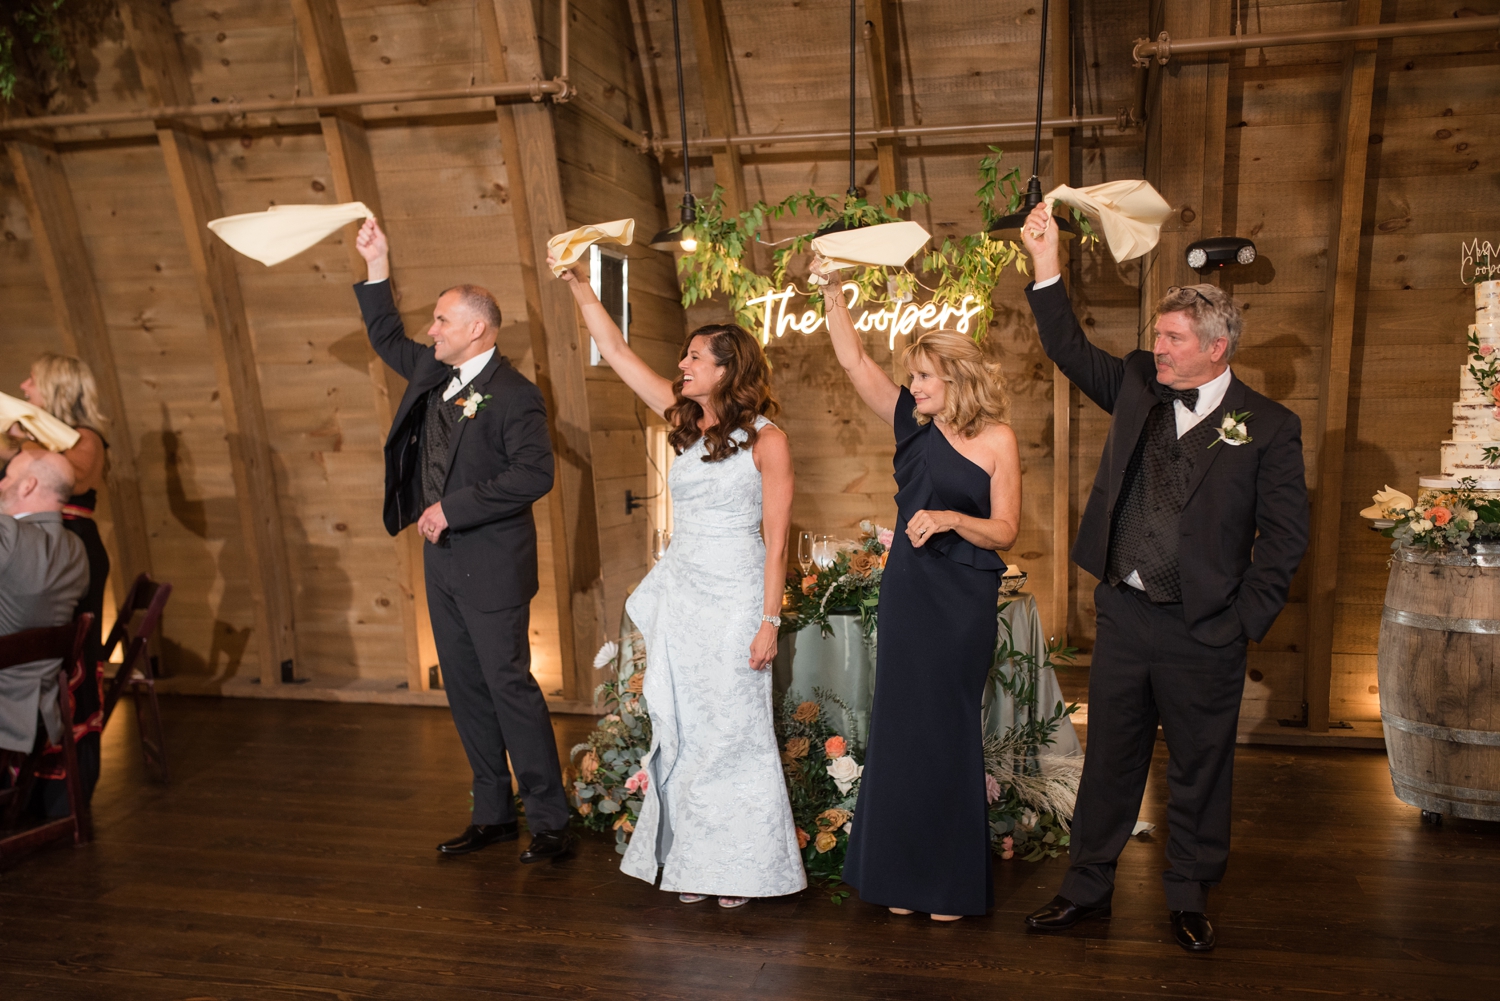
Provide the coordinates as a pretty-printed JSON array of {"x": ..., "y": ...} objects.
[{"x": 775, "y": 620}]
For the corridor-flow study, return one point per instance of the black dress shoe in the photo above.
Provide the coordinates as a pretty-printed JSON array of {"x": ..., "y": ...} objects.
[
  {"x": 1062, "y": 913},
  {"x": 1192, "y": 931},
  {"x": 477, "y": 836},
  {"x": 548, "y": 844}
]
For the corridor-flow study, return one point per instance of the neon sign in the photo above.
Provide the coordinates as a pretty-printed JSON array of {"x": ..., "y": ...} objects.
[{"x": 901, "y": 318}]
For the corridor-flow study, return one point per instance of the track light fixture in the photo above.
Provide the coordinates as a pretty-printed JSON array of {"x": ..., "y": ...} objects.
[{"x": 680, "y": 237}]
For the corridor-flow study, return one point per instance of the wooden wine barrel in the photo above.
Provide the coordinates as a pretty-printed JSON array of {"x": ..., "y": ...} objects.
[{"x": 1439, "y": 664}]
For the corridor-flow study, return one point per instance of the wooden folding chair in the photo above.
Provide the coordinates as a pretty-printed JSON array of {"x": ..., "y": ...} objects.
[
  {"x": 135, "y": 674},
  {"x": 68, "y": 643}
]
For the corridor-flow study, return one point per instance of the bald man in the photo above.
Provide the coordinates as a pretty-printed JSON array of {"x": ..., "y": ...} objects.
[{"x": 43, "y": 573}]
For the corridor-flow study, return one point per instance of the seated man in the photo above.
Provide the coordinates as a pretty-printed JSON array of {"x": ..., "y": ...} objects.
[{"x": 43, "y": 573}]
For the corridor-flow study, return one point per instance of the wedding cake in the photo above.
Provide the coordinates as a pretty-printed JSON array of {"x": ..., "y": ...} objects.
[{"x": 1473, "y": 452}]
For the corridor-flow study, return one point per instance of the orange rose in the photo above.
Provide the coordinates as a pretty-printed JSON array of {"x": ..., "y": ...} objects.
[
  {"x": 624, "y": 824},
  {"x": 862, "y": 563},
  {"x": 588, "y": 766},
  {"x": 797, "y": 747},
  {"x": 802, "y": 838},
  {"x": 809, "y": 584},
  {"x": 1495, "y": 392},
  {"x": 637, "y": 683},
  {"x": 1439, "y": 516},
  {"x": 584, "y": 809},
  {"x": 883, "y": 557},
  {"x": 807, "y": 712},
  {"x": 825, "y": 842},
  {"x": 835, "y": 747},
  {"x": 832, "y": 820}
]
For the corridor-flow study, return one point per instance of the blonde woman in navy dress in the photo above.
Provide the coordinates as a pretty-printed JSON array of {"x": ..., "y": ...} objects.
[{"x": 921, "y": 837}]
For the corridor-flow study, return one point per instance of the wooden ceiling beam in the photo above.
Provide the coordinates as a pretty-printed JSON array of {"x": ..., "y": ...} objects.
[
  {"x": 326, "y": 51},
  {"x": 711, "y": 41},
  {"x": 152, "y": 37},
  {"x": 80, "y": 319},
  {"x": 1345, "y": 230},
  {"x": 529, "y": 142}
]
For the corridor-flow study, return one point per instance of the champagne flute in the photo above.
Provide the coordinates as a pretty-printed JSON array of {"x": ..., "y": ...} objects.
[
  {"x": 805, "y": 552},
  {"x": 822, "y": 551}
]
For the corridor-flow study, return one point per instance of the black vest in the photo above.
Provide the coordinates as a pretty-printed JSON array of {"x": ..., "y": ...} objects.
[
  {"x": 437, "y": 432},
  {"x": 1145, "y": 530}
]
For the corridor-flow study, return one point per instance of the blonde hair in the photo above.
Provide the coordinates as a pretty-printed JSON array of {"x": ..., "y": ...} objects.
[
  {"x": 68, "y": 391},
  {"x": 976, "y": 396}
]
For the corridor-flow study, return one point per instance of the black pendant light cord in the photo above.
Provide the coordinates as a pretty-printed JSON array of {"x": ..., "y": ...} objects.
[
  {"x": 688, "y": 212},
  {"x": 853, "y": 191},
  {"x": 1041, "y": 86}
]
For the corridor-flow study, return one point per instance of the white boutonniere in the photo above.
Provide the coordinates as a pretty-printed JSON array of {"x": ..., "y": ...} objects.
[
  {"x": 473, "y": 403},
  {"x": 1232, "y": 430}
]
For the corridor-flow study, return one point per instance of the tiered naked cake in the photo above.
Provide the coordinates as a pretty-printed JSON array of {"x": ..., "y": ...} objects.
[{"x": 1474, "y": 451}]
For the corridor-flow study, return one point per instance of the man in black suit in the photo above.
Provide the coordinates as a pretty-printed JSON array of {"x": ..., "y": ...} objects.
[
  {"x": 467, "y": 455},
  {"x": 1178, "y": 503}
]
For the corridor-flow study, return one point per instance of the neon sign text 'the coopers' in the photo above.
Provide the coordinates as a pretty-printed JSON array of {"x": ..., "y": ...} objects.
[{"x": 900, "y": 318}]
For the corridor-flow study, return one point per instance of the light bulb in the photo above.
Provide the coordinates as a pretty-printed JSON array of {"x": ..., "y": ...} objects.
[
  {"x": 1197, "y": 257},
  {"x": 689, "y": 244},
  {"x": 1246, "y": 254}
]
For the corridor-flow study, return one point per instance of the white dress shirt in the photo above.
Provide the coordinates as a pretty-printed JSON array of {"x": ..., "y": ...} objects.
[
  {"x": 467, "y": 372},
  {"x": 1210, "y": 395}
]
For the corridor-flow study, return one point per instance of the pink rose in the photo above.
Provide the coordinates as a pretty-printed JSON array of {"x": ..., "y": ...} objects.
[
  {"x": 885, "y": 537},
  {"x": 991, "y": 789},
  {"x": 1439, "y": 516},
  {"x": 1009, "y": 847},
  {"x": 1486, "y": 349},
  {"x": 638, "y": 782},
  {"x": 835, "y": 747}
]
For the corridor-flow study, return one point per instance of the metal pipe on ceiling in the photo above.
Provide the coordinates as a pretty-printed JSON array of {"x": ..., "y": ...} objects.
[
  {"x": 1121, "y": 120},
  {"x": 1165, "y": 47}
]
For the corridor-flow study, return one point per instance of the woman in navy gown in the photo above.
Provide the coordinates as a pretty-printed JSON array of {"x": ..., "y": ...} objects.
[{"x": 921, "y": 838}]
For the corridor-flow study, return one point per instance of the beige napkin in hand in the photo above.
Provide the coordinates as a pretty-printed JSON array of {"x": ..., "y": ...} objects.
[
  {"x": 568, "y": 247},
  {"x": 284, "y": 231},
  {"x": 889, "y": 245},
  {"x": 42, "y": 426},
  {"x": 1388, "y": 504},
  {"x": 1129, "y": 213}
]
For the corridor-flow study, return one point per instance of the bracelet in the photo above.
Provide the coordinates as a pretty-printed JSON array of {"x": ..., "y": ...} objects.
[{"x": 774, "y": 620}]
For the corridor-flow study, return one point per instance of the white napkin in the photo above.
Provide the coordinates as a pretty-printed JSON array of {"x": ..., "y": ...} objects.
[
  {"x": 42, "y": 426},
  {"x": 889, "y": 245},
  {"x": 284, "y": 231},
  {"x": 1387, "y": 503},
  {"x": 1141, "y": 827},
  {"x": 1129, "y": 212},
  {"x": 568, "y": 247}
]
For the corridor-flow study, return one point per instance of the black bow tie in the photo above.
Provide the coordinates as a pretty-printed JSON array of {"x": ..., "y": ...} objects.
[
  {"x": 1167, "y": 394},
  {"x": 458, "y": 373}
]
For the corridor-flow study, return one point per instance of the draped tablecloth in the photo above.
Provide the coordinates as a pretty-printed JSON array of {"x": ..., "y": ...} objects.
[{"x": 844, "y": 664}]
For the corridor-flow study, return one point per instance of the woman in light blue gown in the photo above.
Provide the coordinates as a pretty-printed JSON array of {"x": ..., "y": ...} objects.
[{"x": 715, "y": 819}]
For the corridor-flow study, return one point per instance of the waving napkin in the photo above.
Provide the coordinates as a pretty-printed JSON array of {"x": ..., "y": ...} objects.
[
  {"x": 889, "y": 244},
  {"x": 1129, "y": 212},
  {"x": 284, "y": 231},
  {"x": 41, "y": 425},
  {"x": 569, "y": 247}
]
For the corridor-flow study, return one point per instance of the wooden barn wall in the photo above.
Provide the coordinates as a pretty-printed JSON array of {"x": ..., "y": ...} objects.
[{"x": 789, "y": 72}]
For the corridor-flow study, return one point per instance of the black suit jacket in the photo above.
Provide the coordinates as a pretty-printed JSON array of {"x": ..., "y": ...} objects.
[
  {"x": 499, "y": 461},
  {"x": 1244, "y": 522}
]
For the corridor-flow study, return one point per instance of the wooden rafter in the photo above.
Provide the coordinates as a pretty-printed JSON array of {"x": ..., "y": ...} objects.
[
  {"x": 152, "y": 36},
  {"x": 1345, "y": 229},
  {"x": 85, "y": 333},
  {"x": 711, "y": 41},
  {"x": 321, "y": 31},
  {"x": 529, "y": 141}
]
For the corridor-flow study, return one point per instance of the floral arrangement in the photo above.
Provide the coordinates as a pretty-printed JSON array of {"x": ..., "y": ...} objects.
[
  {"x": 850, "y": 582},
  {"x": 1031, "y": 797},
  {"x": 610, "y": 779},
  {"x": 1484, "y": 367},
  {"x": 1452, "y": 520},
  {"x": 822, "y": 768}
]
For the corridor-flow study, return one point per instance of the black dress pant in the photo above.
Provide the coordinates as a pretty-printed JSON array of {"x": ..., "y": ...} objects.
[
  {"x": 497, "y": 705},
  {"x": 1147, "y": 669}
]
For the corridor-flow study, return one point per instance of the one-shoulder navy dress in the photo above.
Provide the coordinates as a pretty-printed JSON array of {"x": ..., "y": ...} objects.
[{"x": 921, "y": 837}]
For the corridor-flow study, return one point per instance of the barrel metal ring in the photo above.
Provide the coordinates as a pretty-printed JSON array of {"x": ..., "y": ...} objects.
[
  {"x": 1453, "y": 734},
  {"x": 1441, "y": 623}
]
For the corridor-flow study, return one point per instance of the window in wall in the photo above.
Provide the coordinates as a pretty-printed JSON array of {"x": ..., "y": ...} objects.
[{"x": 609, "y": 274}]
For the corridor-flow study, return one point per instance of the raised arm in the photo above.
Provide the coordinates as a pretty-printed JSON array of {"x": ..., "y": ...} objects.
[
  {"x": 773, "y": 457},
  {"x": 870, "y": 381},
  {"x": 655, "y": 391},
  {"x": 377, "y": 304}
]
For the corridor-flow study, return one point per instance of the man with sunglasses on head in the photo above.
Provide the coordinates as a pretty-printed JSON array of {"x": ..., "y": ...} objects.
[{"x": 1197, "y": 520}]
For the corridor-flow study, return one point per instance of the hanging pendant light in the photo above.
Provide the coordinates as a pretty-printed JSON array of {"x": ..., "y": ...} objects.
[
  {"x": 680, "y": 237},
  {"x": 1033, "y": 198},
  {"x": 838, "y": 225}
]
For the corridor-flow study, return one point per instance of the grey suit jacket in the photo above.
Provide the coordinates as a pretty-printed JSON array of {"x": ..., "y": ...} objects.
[{"x": 43, "y": 573}]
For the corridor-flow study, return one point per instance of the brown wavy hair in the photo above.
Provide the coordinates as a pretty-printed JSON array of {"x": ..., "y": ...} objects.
[
  {"x": 742, "y": 395},
  {"x": 976, "y": 396}
]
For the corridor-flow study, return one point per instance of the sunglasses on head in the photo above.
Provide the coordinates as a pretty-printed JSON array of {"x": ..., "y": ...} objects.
[{"x": 1195, "y": 289}]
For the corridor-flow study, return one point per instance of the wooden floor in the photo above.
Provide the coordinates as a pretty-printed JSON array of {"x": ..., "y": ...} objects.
[{"x": 293, "y": 858}]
